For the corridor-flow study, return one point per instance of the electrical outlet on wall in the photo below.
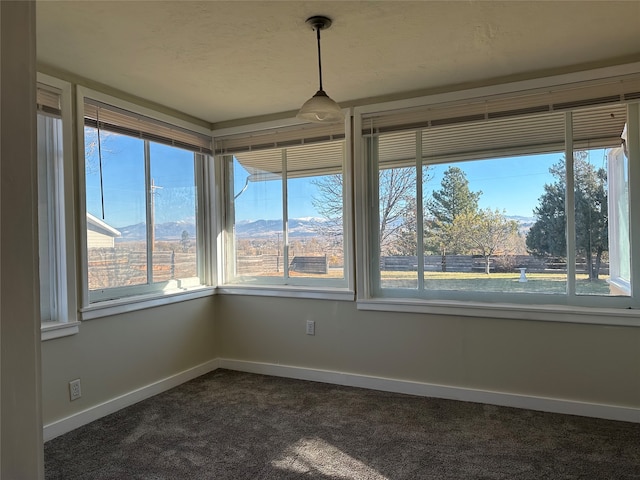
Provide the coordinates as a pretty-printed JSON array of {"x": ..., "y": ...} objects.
[
  {"x": 75, "y": 392},
  {"x": 311, "y": 327}
]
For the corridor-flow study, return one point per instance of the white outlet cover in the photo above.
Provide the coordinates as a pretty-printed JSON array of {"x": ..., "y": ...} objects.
[
  {"x": 75, "y": 390},
  {"x": 311, "y": 327}
]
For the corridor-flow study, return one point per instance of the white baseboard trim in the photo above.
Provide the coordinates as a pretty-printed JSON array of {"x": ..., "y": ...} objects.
[
  {"x": 59, "y": 427},
  {"x": 554, "y": 405},
  {"x": 570, "y": 407}
]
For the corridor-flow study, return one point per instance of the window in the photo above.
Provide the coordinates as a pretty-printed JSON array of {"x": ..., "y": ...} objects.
[
  {"x": 285, "y": 207},
  {"x": 145, "y": 192},
  {"x": 518, "y": 199},
  {"x": 55, "y": 223}
]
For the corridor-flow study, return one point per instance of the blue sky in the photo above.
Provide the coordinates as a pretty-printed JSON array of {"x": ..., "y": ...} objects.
[
  {"x": 512, "y": 184},
  {"x": 257, "y": 201},
  {"x": 123, "y": 181}
]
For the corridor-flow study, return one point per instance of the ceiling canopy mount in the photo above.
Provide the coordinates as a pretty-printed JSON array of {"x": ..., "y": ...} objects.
[{"x": 318, "y": 22}]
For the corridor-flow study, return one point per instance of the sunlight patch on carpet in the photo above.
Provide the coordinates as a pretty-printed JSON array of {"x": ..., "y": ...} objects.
[{"x": 316, "y": 455}]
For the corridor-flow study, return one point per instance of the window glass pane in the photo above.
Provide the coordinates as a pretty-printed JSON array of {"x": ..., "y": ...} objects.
[
  {"x": 173, "y": 214},
  {"x": 285, "y": 214},
  {"x": 482, "y": 224},
  {"x": 601, "y": 202},
  {"x": 257, "y": 216},
  {"x": 117, "y": 239},
  {"x": 493, "y": 216},
  {"x": 591, "y": 236},
  {"x": 315, "y": 211},
  {"x": 397, "y": 210},
  {"x": 619, "y": 240},
  {"x": 546, "y": 240},
  {"x": 398, "y": 223}
]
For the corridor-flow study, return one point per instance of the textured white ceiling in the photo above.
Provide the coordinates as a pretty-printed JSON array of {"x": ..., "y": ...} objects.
[{"x": 221, "y": 61}]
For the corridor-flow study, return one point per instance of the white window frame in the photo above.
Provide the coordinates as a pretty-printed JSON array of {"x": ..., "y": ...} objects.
[
  {"x": 62, "y": 246},
  {"x": 600, "y": 310},
  {"x": 615, "y": 176},
  {"x": 306, "y": 288},
  {"x": 136, "y": 297}
]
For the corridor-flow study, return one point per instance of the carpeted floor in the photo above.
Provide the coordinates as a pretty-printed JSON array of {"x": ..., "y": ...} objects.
[{"x": 231, "y": 425}]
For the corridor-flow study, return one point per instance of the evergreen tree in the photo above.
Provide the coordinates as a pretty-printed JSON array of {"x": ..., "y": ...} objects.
[
  {"x": 547, "y": 236},
  {"x": 452, "y": 200}
]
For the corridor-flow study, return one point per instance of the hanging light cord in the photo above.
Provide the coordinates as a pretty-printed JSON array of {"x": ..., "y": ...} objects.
[
  {"x": 100, "y": 163},
  {"x": 319, "y": 57}
]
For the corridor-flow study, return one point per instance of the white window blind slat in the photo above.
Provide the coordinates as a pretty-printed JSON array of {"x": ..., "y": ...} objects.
[
  {"x": 310, "y": 150},
  {"x": 302, "y": 161},
  {"x": 279, "y": 137},
  {"x": 48, "y": 100},
  {"x": 594, "y": 127},
  {"x": 111, "y": 118},
  {"x": 563, "y": 98}
]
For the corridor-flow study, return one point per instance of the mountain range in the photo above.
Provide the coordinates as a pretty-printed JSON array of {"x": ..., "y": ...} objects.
[
  {"x": 164, "y": 231},
  {"x": 298, "y": 227}
]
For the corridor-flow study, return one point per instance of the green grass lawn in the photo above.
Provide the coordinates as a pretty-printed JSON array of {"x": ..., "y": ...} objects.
[
  {"x": 550, "y": 283},
  {"x": 495, "y": 282}
]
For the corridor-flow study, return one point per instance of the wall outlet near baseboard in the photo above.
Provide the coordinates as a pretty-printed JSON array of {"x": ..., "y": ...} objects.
[
  {"x": 311, "y": 327},
  {"x": 75, "y": 392}
]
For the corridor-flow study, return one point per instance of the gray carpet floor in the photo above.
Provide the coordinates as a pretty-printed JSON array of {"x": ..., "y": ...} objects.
[{"x": 231, "y": 425}]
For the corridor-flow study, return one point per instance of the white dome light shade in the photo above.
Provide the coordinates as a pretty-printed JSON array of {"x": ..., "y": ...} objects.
[{"x": 321, "y": 109}]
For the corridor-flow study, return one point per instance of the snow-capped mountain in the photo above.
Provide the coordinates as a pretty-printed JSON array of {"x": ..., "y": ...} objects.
[
  {"x": 298, "y": 227},
  {"x": 524, "y": 223},
  {"x": 164, "y": 231}
]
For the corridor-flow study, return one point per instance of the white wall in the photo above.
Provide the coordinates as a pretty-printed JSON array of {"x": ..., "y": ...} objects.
[
  {"x": 575, "y": 362},
  {"x": 117, "y": 355},
  {"x": 21, "y": 420}
]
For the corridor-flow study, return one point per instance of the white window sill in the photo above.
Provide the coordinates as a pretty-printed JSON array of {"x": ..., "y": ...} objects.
[
  {"x": 141, "y": 302},
  {"x": 51, "y": 330},
  {"x": 289, "y": 292},
  {"x": 548, "y": 313}
]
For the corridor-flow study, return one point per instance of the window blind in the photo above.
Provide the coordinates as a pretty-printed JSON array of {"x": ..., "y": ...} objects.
[
  {"x": 118, "y": 120},
  {"x": 559, "y": 99},
  {"x": 302, "y": 161},
  {"x": 48, "y": 100},
  {"x": 310, "y": 150},
  {"x": 497, "y": 127}
]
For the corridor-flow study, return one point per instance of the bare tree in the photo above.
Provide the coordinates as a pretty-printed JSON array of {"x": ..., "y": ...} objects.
[
  {"x": 329, "y": 204},
  {"x": 93, "y": 149},
  {"x": 396, "y": 193},
  {"x": 397, "y": 205}
]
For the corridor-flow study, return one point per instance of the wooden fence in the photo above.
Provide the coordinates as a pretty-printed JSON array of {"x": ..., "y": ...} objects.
[
  {"x": 270, "y": 264},
  {"x": 476, "y": 263},
  {"x": 116, "y": 267}
]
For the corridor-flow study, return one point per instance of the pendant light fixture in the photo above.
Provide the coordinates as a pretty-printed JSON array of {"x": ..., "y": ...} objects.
[{"x": 320, "y": 108}]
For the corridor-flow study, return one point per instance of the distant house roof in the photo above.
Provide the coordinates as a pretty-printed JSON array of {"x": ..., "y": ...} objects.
[{"x": 96, "y": 225}]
